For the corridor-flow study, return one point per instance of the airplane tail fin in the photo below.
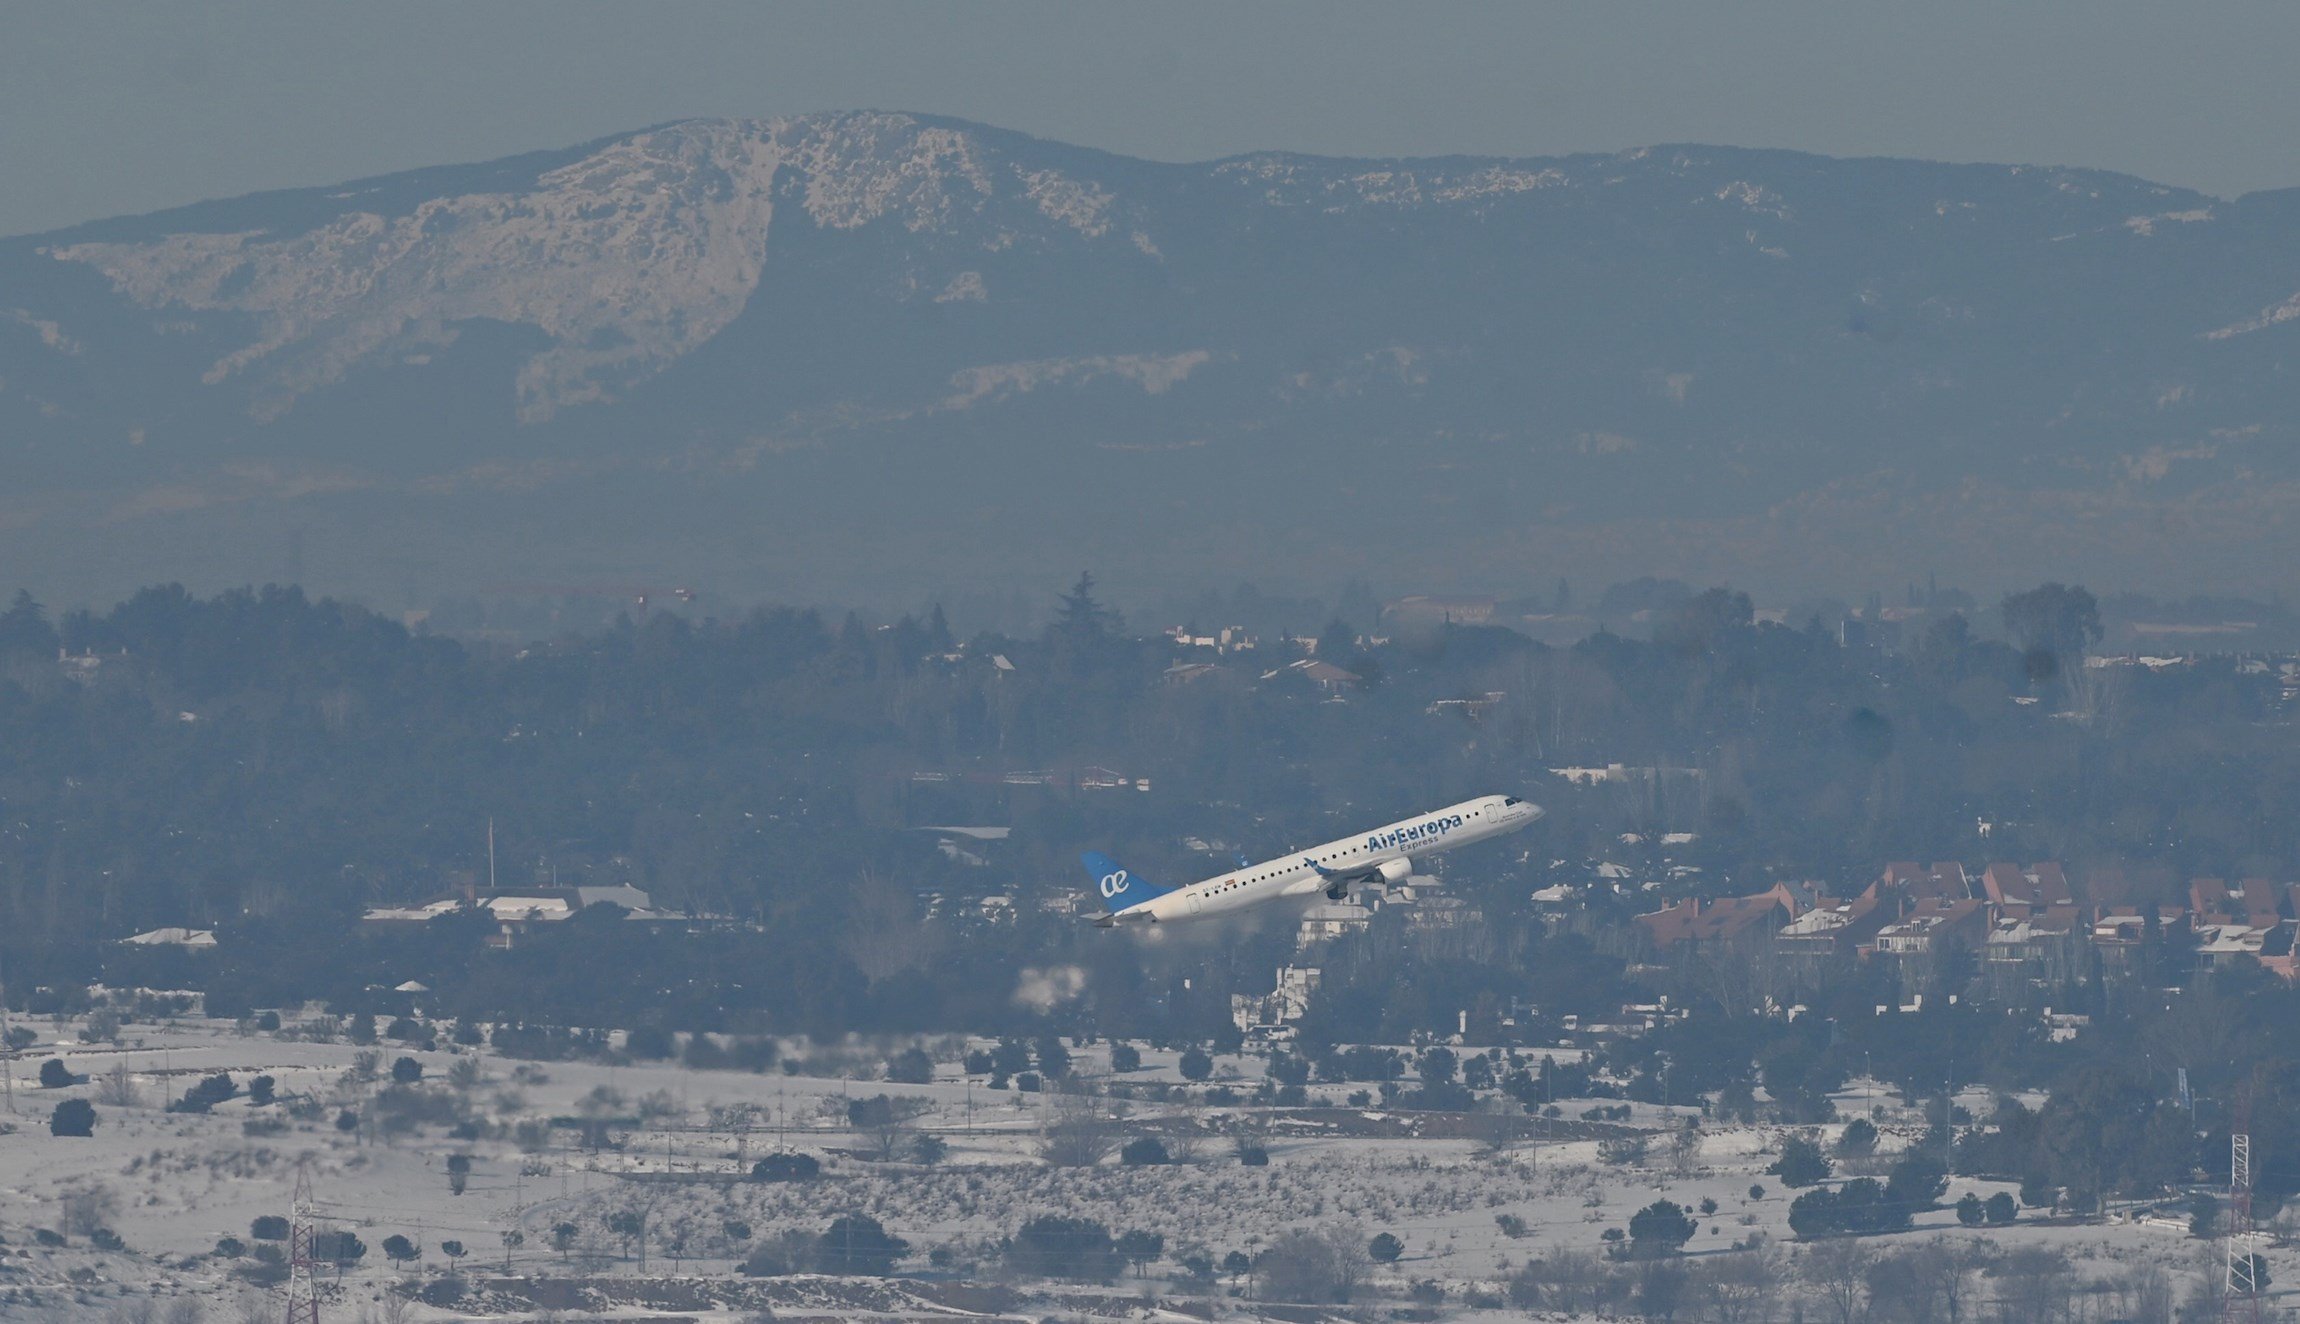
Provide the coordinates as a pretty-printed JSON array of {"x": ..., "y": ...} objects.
[{"x": 1119, "y": 886}]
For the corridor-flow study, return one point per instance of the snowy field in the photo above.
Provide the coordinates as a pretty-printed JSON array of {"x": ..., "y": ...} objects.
[{"x": 539, "y": 1203}]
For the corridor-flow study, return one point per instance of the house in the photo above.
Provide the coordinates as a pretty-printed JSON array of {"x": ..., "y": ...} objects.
[
  {"x": 190, "y": 939},
  {"x": 1433, "y": 609},
  {"x": 1442, "y": 912},
  {"x": 1332, "y": 919},
  {"x": 1833, "y": 928},
  {"x": 1724, "y": 920},
  {"x": 1325, "y": 676},
  {"x": 1930, "y": 926},
  {"x": 515, "y": 911},
  {"x": 2120, "y": 932},
  {"x": 1272, "y": 1017},
  {"x": 2041, "y": 947},
  {"x": 1470, "y": 708}
]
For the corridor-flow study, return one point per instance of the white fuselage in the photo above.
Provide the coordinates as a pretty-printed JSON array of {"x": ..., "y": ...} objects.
[{"x": 1358, "y": 857}]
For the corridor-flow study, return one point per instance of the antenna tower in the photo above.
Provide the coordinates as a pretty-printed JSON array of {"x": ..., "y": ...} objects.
[
  {"x": 303, "y": 1281},
  {"x": 2241, "y": 1290}
]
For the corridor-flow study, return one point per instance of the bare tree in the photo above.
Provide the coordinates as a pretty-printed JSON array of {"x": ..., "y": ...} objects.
[
  {"x": 1739, "y": 1288},
  {"x": 119, "y": 1089},
  {"x": 1312, "y": 1268},
  {"x": 2034, "y": 1285},
  {"x": 887, "y": 931},
  {"x": 1498, "y": 1127},
  {"x": 1836, "y": 1277},
  {"x": 86, "y": 1208},
  {"x": 1077, "y": 1133}
]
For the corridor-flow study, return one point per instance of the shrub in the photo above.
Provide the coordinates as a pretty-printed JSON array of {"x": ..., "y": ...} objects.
[
  {"x": 54, "y": 1075},
  {"x": 1859, "y": 1139},
  {"x": 1144, "y": 1151},
  {"x": 1385, "y": 1248},
  {"x": 269, "y": 1227},
  {"x": 340, "y": 1248},
  {"x": 260, "y": 1091},
  {"x": 1970, "y": 1211},
  {"x": 1916, "y": 1182},
  {"x": 786, "y": 1167},
  {"x": 1858, "y": 1206},
  {"x": 1125, "y": 1057},
  {"x": 2000, "y": 1209},
  {"x": 1660, "y": 1228},
  {"x": 209, "y": 1092},
  {"x": 399, "y": 1250},
  {"x": 73, "y": 1117},
  {"x": 856, "y": 1244},
  {"x": 911, "y": 1066},
  {"x": 1052, "y": 1246},
  {"x": 406, "y": 1071},
  {"x": 1622, "y": 1151},
  {"x": 1801, "y": 1163},
  {"x": 1139, "y": 1248}
]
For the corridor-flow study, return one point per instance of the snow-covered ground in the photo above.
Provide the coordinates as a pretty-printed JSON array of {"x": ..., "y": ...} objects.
[{"x": 172, "y": 1185}]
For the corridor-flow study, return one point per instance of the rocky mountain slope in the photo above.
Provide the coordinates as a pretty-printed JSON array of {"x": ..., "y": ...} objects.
[{"x": 876, "y": 354}]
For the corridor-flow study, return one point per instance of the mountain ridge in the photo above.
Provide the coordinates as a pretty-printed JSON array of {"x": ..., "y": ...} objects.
[{"x": 794, "y": 312}]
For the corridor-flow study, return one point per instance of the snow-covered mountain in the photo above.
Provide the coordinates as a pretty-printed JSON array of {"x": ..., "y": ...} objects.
[{"x": 877, "y": 352}]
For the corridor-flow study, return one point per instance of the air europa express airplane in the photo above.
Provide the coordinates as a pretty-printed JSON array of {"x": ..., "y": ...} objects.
[{"x": 1383, "y": 855}]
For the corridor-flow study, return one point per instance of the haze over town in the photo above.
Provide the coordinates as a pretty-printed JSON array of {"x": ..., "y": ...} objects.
[{"x": 1006, "y": 661}]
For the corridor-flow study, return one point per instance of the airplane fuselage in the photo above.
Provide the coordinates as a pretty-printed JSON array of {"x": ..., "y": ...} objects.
[{"x": 1385, "y": 853}]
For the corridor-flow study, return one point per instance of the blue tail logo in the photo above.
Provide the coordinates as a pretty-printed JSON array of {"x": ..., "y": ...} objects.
[{"x": 1119, "y": 886}]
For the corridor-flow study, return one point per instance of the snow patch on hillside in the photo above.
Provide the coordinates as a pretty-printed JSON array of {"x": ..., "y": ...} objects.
[
  {"x": 626, "y": 260},
  {"x": 51, "y": 334},
  {"x": 2146, "y": 225},
  {"x": 1154, "y": 373},
  {"x": 2273, "y": 315}
]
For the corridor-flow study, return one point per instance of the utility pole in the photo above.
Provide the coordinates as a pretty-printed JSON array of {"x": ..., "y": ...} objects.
[
  {"x": 2241, "y": 1288},
  {"x": 302, "y": 1290}
]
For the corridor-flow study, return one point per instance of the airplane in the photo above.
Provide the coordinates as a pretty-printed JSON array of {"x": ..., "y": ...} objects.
[{"x": 1384, "y": 855}]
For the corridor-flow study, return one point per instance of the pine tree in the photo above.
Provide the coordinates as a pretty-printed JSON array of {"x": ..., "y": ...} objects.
[{"x": 1080, "y": 617}]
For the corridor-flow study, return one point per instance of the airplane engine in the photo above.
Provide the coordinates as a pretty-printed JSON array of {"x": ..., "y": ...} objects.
[{"x": 1395, "y": 872}]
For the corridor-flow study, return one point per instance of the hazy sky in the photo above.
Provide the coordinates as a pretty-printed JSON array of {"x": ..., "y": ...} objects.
[{"x": 119, "y": 107}]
